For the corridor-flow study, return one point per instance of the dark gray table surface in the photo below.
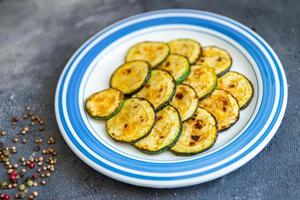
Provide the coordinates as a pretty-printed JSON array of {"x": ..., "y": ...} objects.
[{"x": 37, "y": 37}]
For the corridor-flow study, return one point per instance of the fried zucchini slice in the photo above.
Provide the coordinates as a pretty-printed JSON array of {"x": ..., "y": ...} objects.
[
  {"x": 238, "y": 85},
  {"x": 216, "y": 58},
  {"x": 198, "y": 134},
  {"x": 185, "y": 101},
  {"x": 178, "y": 66},
  {"x": 223, "y": 106},
  {"x": 131, "y": 76},
  {"x": 159, "y": 90},
  {"x": 203, "y": 79},
  {"x": 164, "y": 133},
  {"x": 152, "y": 52},
  {"x": 186, "y": 47},
  {"x": 104, "y": 104},
  {"x": 133, "y": 122}
]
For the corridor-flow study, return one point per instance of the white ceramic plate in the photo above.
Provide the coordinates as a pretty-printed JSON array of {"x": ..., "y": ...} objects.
[{"x": 91, "y": 66}]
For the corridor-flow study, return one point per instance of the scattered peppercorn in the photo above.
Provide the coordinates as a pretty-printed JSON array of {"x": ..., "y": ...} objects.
[
  {"x": 22, "y": 195},
  {"x": 13, "y": 175},
  {"x": 16, "y": 140},
  {"x": 22, "y": 187},
  {"x": 24, "y": 141},
  {"x": 37, "y": 148},
  {"x": 29, "y": 183},
  {"x": 31, "y": 165},
  {"x": 33, "y": 176},
  {"x": 51, "y": 140},
  {"x": 6, "y": 197},
  {"x": 35, "y": 193},
  {"x": 3, "y": 133},
  {"x": 15, "y": 119},
  {"x": 17, "y": 177},
  {"x": 14, "y": 149}
]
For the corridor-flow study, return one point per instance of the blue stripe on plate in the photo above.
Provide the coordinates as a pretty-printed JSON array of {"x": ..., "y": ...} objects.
[{"x": 248, "y": 135}]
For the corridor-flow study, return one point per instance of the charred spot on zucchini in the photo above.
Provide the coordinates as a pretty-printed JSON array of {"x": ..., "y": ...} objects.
[
  {"x": 185, "y": 101},
  {"x": 186, "y": 47},
  {"x": 238, "y": 85},
  {"x": 159, "y": 90},
  {"x": 133, "y": 122},
  {"x": 104, "y": 104},
  {"x": 203, "y": 79},
  {"x": 152, "y": 52},
  {"x": 131, "y": 76},
  {"x": 178, "y": 66},
  {"x": 198, "y": 134},
  {"x": 216, "y": 58},
  {"x": 223, "y": 106},
  {"x": 164, "y": 133}
]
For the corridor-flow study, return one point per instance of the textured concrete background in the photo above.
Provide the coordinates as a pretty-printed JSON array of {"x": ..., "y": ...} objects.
[{"x": 37, "y": 37}]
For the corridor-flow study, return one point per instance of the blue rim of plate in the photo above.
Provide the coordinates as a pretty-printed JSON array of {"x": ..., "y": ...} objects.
[{"x": 149, "y": 173}]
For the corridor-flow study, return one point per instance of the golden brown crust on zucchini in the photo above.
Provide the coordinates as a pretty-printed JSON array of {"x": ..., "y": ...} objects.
[
  {"x": 131, "y": 76},
  {"x": 223, "y": 106},
  {"x": 133, "y": 122},
  {"x": 199, "y": 133},
  {"x": 178, "y": 66},
  {"x": 186, "y": 47},
  {"x": 185, "y": 101},
  {"x": 159, "y": 90},
  {"x": 104, "y": 104},
  {"x": 152, "y": 52},
  {"x": 203, "y": 79},
  {"x": 216, "y": 58},
  {"x": 238, "y": 85},
  {"x": 165, "y": 131}
]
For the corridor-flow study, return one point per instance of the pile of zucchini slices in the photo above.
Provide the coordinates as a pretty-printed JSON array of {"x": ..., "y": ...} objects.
[{"x": 172, "y": 96}]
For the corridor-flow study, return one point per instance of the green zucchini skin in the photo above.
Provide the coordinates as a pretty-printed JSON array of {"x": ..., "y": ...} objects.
[
  {"x": 144, "y": 135},
  {"x": 183, "y": 77},
  {"x": 143, "y": 94},
  {"x": 147, "y": 77},
  {"x": 201, "y": 149},
  {"x": 184, "y": 63},
  {"x": 208, "y": 94},
  {"x": 105, "y": 117},
  {"x": 191, "y": 60},
  {"x": 224, "y": 72},
  {"x": 250, "y": 99},
  {"x": 168, "y": 146},
  {"x": 153, "y": 65}
]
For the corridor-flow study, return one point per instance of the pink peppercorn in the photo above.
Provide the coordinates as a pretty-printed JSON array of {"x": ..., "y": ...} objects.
[
  {"x": 31, "y": 165},
  {"x": 6, "y": 197},
  {"x": 33, "y": 176},
  {"x": 13, "y": 175}
]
